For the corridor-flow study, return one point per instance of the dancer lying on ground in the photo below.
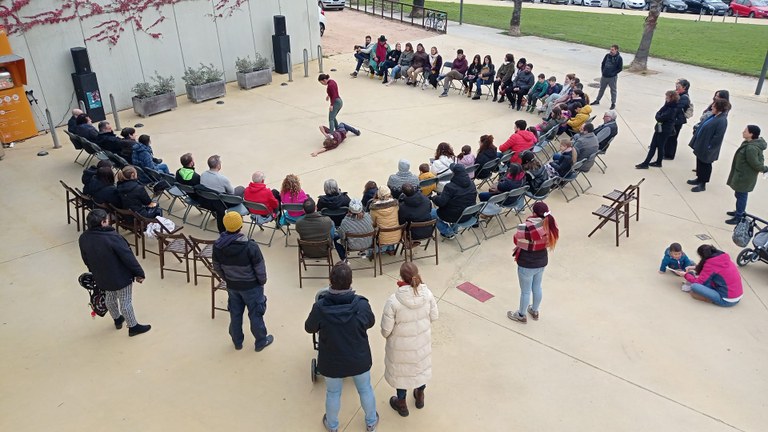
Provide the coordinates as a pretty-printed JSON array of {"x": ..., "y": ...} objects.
[{"x": 333, "y": 139}]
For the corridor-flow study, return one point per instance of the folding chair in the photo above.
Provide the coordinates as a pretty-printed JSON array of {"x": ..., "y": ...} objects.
[
  {"x": 599, "y": 162},
  {"x": 631, "y": 192},
  {"x": 568, "y": 179},
  {"x": 584, "y": 174},
  {"x": 143, "y": 223},
  {"x": 289, "y": 220},
  {"x": 489, "y": 166},
  {"x": 77, "y": 144},
  {"x": 254, "y": 221},
  {"x": 348, "y": 249},
  {"x": 331, "y": 213},
  {"x": 493, "y": 202},
  {"x": 75, "y": 200},
  {"x": 93, "y": 150},
  {"x": 202, "y": 252},
  {"x": 541, "y": 193},
  {"x": 471, "y": 170},
  {"x": 423, "y": 184},
  {"x": 510, "y": 204},
  {"x": 117, "y": 160},
  {"x": 211, "y": 197},
  {"x": 472, "y": 214},
  {"x": 504, "y": 162},
  {"x": 617, "y": 213},
  {"x": 191, "y": 203},
  {"x": 316, "y": 253},
  {"x": 178, "y": 245},
  {"x": 124, "y": 220},
  {"x": 411, "y": 239},
  {"x": 379, "y": 245},
  {"x": 234, "y": 203},
  {"x": 446, "y": 66}
]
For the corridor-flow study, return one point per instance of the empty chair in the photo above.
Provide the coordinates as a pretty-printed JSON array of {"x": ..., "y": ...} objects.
[{"x": 179, "y": 246}]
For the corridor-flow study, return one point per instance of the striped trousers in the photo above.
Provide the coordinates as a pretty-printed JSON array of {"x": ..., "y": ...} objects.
[{"x": 119, "y": 303}]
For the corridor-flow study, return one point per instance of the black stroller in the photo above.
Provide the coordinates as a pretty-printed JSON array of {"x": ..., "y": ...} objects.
[
  {"x": 315, "y": 344},
  {"x": 759, "y": 240}
]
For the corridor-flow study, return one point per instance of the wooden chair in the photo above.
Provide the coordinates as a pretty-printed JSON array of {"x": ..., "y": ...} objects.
[
  {"x": 77, "y": 203},
  {"x": 348, "y": 249},
  {"x": 618, "y": 214},
  {"x": 124, "y": 220},
  {"x": 217, "y": 284},
  {"x": 632, "y": 192},
  {"x": 178, "y": 245},
  {"x": 431, "y": 238},
  {"x": 202, "y": 252},
  {"x": 400, "y": 243},
  {"x": 316, "y": 253},
  {"x": 143, "y": 223}
]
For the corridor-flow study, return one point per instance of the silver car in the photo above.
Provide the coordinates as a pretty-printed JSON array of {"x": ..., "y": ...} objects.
[
  {"x": 331, "y": 4},
  {"x": 593, "y": 3},
  {"x": 627, "y": 4}
]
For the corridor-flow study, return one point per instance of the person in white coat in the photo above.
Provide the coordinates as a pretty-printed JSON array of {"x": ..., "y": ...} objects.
[{"x": 407, "y": 326}]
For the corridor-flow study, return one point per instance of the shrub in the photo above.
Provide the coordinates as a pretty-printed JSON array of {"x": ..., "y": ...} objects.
[
  {"x": 247, "y": 65},
  {"x": 202, "y": 75},
  {"x": 162, "y": 85}
]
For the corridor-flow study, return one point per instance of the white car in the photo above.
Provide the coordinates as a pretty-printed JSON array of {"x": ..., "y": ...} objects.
[
  {"x": 322, "y": 21},
  {"x": 331, "y": 4},
  {"x": 624, "y": 4}
]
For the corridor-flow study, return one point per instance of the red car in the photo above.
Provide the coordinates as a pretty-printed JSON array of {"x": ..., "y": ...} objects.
[{"x": 749, "y": 8}]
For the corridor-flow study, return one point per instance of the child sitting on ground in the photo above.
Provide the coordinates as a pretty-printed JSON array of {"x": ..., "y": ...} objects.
[
  {"x": 677, "y": 261},
  {"x": 467, "y": 159},
  {"x": 424, "y": 174}
]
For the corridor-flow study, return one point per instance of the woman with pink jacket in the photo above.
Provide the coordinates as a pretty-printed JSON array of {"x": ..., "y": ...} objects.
[{"x": 716, "y": 278}]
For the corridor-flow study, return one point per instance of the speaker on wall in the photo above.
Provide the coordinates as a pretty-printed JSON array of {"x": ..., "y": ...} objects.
[
  {"x": 80, "y": 59},
  {"x": 280, "y": 29},
  {"x": 87, "y": 90},
  {"x": 281, "y": 45}
]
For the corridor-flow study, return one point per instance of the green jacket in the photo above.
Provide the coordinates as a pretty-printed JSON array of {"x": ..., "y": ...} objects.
[{"x": 747, "y": 163}]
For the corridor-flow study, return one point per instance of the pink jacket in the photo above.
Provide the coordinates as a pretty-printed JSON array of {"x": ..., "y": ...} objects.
[
  {"x": 720, "y": 274},
  {"x": 299, "y": 198}
]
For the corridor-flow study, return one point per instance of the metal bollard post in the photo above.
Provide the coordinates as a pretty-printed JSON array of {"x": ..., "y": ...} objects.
[
  {"x": 320, "y": 57},
  {"x": 114, "y": 112},
  {"x": 290, "y": 66},
  {"x": 306, "y": 63},
  {"x": 760, "y": 81},
  {"x": 52, "y": 129},
  {"x": 82, "y": 105}
]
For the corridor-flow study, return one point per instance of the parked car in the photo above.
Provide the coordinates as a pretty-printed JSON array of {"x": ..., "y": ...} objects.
[
  {"x": 706, "y": 7},
  {"x": 552, "y": 1},
  {"x": 595, "y": 3},
  {"x": 627, "y": 4},
  {"x": 749, "y": 8},
  {"x": 331, "y": 4},
  {"x": 322, "y": 21},
  {"x": 673, "y": 6}
]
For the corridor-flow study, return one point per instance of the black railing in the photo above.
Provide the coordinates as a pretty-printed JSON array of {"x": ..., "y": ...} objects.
[{"x": 429, "y": 19}]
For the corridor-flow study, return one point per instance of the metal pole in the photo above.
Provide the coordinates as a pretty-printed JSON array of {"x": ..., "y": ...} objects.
[
  {"x": 461, "y": 12},
  {"x": 320, "y": 57},
  {"x": 114, "y": 112},
  {"x": 51, "y": 128},
  {"x": 82, "y": 105},
  {"x": 762, "y": 76},
  {"x": 290, "y": 67},
  {"x": 306, "y": 63}
]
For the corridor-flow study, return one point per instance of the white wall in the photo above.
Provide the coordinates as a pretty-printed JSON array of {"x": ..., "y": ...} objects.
[{"x": 189, "y": 36}]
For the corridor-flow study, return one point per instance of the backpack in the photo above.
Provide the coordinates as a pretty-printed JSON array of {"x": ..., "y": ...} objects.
[
  {"x": 98, "y": 299},
  {"x": 742, "y": 233},
  {"x": 689, "y": 111}
]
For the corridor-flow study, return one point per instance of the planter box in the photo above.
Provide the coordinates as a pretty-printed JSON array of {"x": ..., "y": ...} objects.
[
  {"x": 258, "y": 78},
  {"x": 155, "y": 104},
  {"x": 206, "y": 92}
]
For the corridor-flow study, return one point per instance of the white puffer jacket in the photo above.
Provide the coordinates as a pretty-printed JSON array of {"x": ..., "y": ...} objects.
[
  {"x": 442, "y": 166},
  {"x": 407, "y": 325}
]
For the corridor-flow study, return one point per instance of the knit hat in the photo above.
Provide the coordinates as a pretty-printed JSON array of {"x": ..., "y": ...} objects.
[
  {"x": 527, "y": 156},
  {"x": 233, "y": 221},
  {"x": 384, "y": 192},
  {"x": 355, "y": 206},
  {"x": 403, "y": 165}
]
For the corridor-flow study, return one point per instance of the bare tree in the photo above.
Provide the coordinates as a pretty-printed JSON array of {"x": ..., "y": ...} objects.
[
  {"x": 640, "y": 63},
  {"x": 418, "y": 8},
  {"x": 514, "y": 22}
]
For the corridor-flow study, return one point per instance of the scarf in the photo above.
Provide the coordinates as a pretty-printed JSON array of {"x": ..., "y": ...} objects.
[{"x": 432, "y": 59}]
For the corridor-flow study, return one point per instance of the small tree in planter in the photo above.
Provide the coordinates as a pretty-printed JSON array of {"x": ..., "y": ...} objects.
[
  {"x": 253, "y": 73},
  {"x": 204, "y": 83},
  {"x": 154, "y": 98}
]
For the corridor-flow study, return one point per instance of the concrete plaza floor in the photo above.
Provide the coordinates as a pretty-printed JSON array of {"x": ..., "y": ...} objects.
[{"x": 618, "y": 347}]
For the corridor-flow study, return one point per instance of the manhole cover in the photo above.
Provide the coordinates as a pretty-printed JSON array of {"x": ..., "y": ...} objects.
[
  {"x": 703, "y": 237},
  {"x": 593, "y": 85}
]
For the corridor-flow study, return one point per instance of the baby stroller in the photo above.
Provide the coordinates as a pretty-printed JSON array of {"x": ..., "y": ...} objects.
[
  {"x": 759, "y": 241},
  {"x": 315, "y": 344},
  {"x": 98, "y": 302}
]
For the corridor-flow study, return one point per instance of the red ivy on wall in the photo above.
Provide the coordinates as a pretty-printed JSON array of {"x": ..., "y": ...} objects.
[{"x": 117, "y": 15}]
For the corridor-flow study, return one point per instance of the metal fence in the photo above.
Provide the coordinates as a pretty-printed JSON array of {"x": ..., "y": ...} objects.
[{"x": 429, "y": 19}]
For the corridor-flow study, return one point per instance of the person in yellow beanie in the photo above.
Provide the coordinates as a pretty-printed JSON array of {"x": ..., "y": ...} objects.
[{"x": 238, "y": 260}]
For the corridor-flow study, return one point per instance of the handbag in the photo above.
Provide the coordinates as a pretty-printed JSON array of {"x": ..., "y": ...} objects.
[{"x": 742, "y": 233}]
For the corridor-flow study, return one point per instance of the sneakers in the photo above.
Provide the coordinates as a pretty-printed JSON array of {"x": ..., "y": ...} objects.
[
  {"x": 444, "y": 94},
  {"x": 476, "y": 96},
  {"x": 138, "y": 329},
  {"x": 270, "y": 339},
  {"x": 325, "y": 423},
  {"x": 372, "y": 428},
  {"x": 534, "y": 314},
  {"x": 514, "y": 316},
  {"x": 686, "y": 287},
  {"x": 119, "y": 322}
]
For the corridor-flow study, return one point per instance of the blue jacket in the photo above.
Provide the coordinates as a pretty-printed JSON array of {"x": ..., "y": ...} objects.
[
  {"x": 680, "y": 264},
  {"x": 142, "y": 157}
]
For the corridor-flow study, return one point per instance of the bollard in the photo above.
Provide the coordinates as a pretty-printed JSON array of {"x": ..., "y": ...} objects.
[
  {"x": 320, "y": 57},
  {"x": 290, "y": 66},
  {"x": 760, "y": 81},
  {"x": 82, "y": 105},
  {"x": 114, "y": 112},
  {"x": 306, "y": 63},
  {"x": 52, "y": 129}
]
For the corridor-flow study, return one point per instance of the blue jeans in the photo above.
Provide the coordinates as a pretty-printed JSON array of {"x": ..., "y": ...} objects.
[
  {"x": 332, "y": 122},
  {"x": 445, "y": 228},
  {"x": 385, "y": 66},
  {"x": 741, "y": 203},
  {"x": 361, "y": 57},
  {"x": 480, "y": 83},
  {"x": 530, "y": 281},
  {"x": 163, "y": 168},
  {"x": 711, "y": 295},
  {"x": 256, "y": 302},
  {"x": 395, "y": 70},
  {"x": 333, "y": 388}
]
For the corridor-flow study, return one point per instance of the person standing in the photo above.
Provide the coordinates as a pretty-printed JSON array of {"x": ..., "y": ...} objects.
[
  {"x": 342, "y": 319},
  {"x": 407, "y": 325},
  {"x": 684, "y": 111},
  {"x": 748, "y": 163},
  {"x": 706, "y": 143},
  {"x": 532, "y": 239},
  {"x": 114, "y": 267},
  {"x": 610, "y": 68},
  {"x": 238, "y": 260},
  {"x": 665, "y": 127},
  {"x": 333, "y": 97}
]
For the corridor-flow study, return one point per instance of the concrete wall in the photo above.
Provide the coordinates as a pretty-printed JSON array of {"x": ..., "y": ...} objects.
[{"x": 189, "y": 36}]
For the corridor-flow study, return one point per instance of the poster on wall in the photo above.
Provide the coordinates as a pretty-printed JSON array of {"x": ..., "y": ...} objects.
[{"x": 94, "y": 99}]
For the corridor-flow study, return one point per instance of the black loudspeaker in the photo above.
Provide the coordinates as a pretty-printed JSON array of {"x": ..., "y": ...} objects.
[
  {"x": 280, "y": 25},
  {"x": 281, "y": 45},
  {"x": 87, "y": 90},
  {"x": 80, "y": 58}
]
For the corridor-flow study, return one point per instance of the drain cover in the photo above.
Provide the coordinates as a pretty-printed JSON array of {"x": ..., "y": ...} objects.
[{"x": 703, "y": 237}]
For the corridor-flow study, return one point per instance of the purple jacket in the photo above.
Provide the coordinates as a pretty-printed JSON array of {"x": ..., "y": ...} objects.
[{"x": 460, "y": 65}]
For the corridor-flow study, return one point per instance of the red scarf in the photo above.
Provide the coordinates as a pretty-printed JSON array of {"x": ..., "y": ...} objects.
[{"x": 402, "y": 284}]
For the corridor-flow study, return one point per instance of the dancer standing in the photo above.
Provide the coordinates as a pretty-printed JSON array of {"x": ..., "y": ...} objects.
[{"x": 333, "y": 97}]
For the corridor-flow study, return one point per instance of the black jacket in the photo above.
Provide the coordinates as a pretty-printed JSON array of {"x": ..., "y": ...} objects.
[
  {"x": 109, "y": 257},
  {"x": 133, "y": 195},
  {"x": 342, "y": 321},
  {"x": 682, "y": 106},
  {"x": 368, "y": 196},
  {"x": 415, "y": 208},
  {"x": 102, "y": 193},
  {"x": 394, "y": 56},
  {"x": 564, "y": 164},
  {"x": 535, "y": 178},
  {"x": 111, "y": 142},
  {"x": 524, "y": 80},
  {"x": 87, "y": 131},
  {"x": 457, "y": 195},
  {"x": 334, "y": 202},
  {"x": 666, "y": 116},
  {"x": 238, "y": 260},
  {"x": 483, "y": 158},
  {"x": 611, "y": 65},
  {"x": 708, "y": 138},
  {"x": 88, "y": 174}
]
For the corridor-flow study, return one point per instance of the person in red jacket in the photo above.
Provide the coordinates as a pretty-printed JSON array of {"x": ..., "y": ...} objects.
[
  {"x": 257, "y": 192},
  {"x": 519, "y": 141}
]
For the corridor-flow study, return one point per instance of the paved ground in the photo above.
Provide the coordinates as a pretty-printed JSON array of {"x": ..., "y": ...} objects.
[{"x": 618, "y": 347}]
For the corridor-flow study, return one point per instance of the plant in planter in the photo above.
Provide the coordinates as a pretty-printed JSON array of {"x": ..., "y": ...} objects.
[
  {"x": 253, "y": 73},
  {"x": 204, "y": 83},
  {"x": 154, "y": 98}
]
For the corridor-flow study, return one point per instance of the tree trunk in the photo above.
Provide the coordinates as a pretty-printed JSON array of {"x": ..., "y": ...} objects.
[
  {"x": 418, "y": 9},
  {"x": 640, "y": 63},
  {"x": 514, "y": 23}
]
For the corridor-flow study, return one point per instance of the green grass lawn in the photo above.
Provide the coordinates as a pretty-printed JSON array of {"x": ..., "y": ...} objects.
[{"x": 738, "y": 48}]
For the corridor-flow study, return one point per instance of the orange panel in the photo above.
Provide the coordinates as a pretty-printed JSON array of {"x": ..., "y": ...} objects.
[{"x": 16, "y": 121}]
